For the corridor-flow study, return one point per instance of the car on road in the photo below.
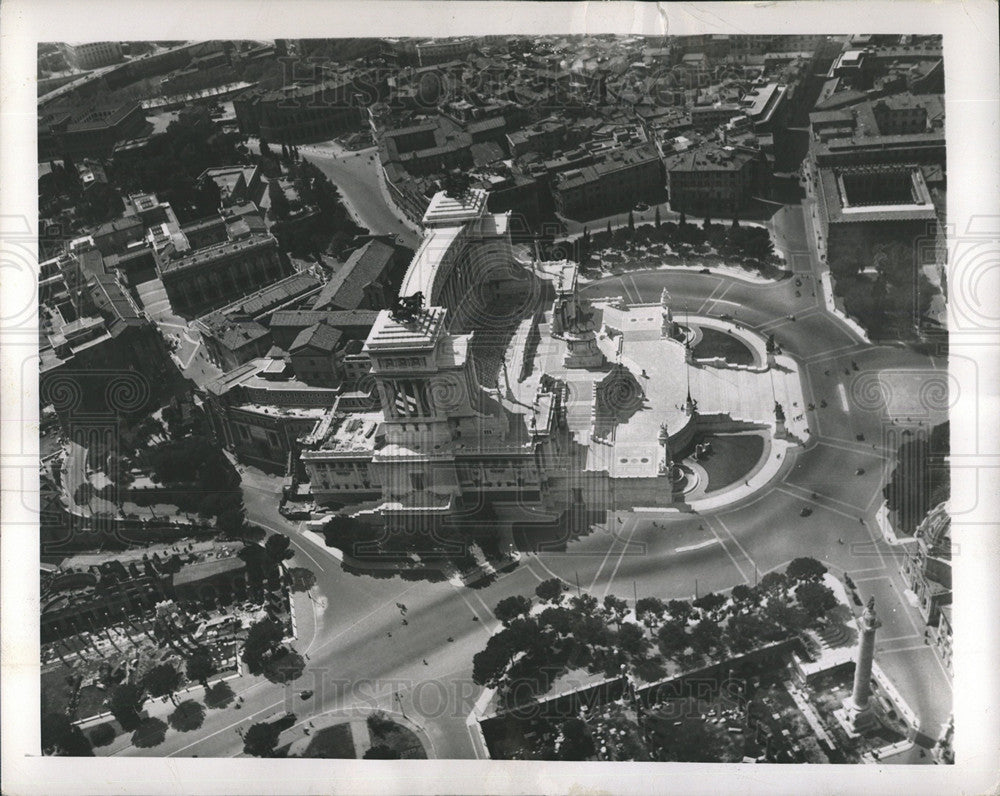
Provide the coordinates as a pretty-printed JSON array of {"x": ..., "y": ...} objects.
[{"x": 641, "y": 207}]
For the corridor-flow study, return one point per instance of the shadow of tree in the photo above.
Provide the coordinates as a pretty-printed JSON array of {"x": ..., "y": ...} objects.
[
  {"x": 219, "y": 696},
  {"x": 190, "y": 715},
  {"x": 285, "y": 668},
  {"x": 150, "y": 733},
  {"x": 103, "y": 734},
  {"x": 302, "y": 579}
]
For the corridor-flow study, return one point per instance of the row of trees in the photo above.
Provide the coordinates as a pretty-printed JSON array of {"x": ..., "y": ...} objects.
[
  {"x": 163, "y": 680},
  {"x": 536, "y": 647},
  {"x": 751, "y": 244}
]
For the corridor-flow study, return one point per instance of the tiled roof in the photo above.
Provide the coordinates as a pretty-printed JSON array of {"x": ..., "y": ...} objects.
[
  {"x": 346, "y": 289},
  {"x": 320, "y": 336}
]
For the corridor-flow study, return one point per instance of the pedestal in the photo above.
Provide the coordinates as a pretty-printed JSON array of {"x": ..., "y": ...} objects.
[{"x": 855, "y": 720}]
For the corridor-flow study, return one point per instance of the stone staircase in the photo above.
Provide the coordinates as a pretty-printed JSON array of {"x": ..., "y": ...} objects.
[{"x": 154, "y": 300}]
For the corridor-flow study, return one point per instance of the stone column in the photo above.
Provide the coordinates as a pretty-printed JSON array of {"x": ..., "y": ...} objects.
[{"x": 857, "y": 705}]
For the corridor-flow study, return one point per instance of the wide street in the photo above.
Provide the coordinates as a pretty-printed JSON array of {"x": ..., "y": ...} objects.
[
  {"x": 356, "y": 175},
  {"x": 361, "y": 654}
]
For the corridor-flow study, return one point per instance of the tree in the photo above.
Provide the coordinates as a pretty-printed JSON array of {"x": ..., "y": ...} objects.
[
  {"x": 277, "y": 545},
  {"x": 577, "y": 743},
  {"x": 710, "y": 602},
  {"x": 743, "y": 595},
  {"x": 162, "y": 680},
  {"x": 263, "y": 640},
  {"x": 381, "y": 752},
  {"x": 379, "y": 724},
  {"x": 805, "y": 568},
  {"x": 680, "y": 610},
  {"x": 706, "y": 223},
  {"x": 490, "y": 665},
  {"x": 200, "y": 666},
  {"x": 512, "y": 607},
  {"x": 773, "y": 583},
  {"x": 60, "y": 736},
  {"x": 124, "y": 704},
  {"x": 672, "y": 638},
  {"x": 683, "y": 219},
  {"x": 656, "y": 218},
  {"x": 279, "y": 202},
  {"x": 209, "y": 197},
  {"x": 632, "y": 640},
  {"x": 583, "y": 603},
  {"x": 260, "y": 739},
  {"x": 706, "y": 635},
  {"x": 650, "y": 668},
  {"x": 616, "y": 608},
  {"x": 610, "y": 233},
  {"x": 550, "y": 590},
  {"x": 780, "y": 612},
  {"x": 650, "y": 610},
  {"x": 631, "y": 222},
  {"x": 815, "y": 598},
  {"x": 231, "y": 520}
]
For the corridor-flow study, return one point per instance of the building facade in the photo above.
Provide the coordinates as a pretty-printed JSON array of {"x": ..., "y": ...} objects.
[
  {"x": 92, "y": 54},
  {"x": 623, "y": 178},
  {"x": 201, "y": 279},
  {"x": 718, "y": 180}
]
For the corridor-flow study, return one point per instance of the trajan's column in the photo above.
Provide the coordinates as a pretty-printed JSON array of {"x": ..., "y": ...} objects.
[{"x": 858, "y": 712}]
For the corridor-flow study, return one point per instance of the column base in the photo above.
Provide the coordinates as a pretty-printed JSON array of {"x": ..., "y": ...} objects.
[{"x": 855, "y": 720}]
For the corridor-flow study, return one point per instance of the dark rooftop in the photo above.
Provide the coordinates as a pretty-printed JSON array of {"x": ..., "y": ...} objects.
[{"x": 346, "y": 289}]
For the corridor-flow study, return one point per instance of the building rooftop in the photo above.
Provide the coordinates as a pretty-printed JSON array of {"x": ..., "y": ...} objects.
[
  {"x": 346, "y": 289},
  {"x": 914, "y": 202},
  {"x": 319, "y": 336},
  {"x": 710, "y": 157},
  {"x": 615, "y": 160},
  {"x": 341, "y": 433},
  {"x": 216, "y": 252},
  {"x": 272, "y": 296},
  {"x": 233, "y": 334},
  {"x": 338, "y": 319},
  {"x": 114, "y": 302}
]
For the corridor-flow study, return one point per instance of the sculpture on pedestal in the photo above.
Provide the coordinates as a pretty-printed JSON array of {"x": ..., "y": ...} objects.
[{"x": 407, "y": 308}]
